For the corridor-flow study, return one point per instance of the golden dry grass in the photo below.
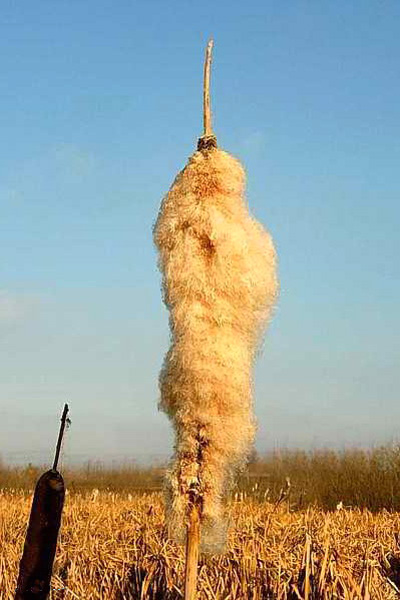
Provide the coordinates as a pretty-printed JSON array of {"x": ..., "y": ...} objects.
[{"x": 114, "y": 546}]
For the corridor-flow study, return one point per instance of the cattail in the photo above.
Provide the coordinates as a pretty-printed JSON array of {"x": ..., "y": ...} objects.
[
  {"x": 40, "y": 546},
  {"x": 220, "y": 285}
]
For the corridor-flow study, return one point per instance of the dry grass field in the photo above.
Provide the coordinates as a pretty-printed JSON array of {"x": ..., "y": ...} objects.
[{"x": 113, "y": 545}]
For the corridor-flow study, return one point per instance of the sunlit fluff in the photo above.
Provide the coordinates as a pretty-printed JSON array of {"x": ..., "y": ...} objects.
[{"x": 220, "y": 285}]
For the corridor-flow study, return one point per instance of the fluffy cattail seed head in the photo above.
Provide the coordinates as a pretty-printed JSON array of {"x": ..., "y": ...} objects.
[{"x": 220, "y": 285}]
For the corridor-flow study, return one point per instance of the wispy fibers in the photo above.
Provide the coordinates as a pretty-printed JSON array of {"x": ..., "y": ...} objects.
[{"x": 220, "y": 285}]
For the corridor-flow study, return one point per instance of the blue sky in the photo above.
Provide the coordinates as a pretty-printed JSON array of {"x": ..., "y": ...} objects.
[{"x": 100, "y": 107}]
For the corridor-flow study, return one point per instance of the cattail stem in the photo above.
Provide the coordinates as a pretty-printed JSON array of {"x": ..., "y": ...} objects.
[
  {"x": 206, "y": 91},
  {"x": 60, "y": 437},
  {"x": 192, "y": 552},
  {"x": 208, "y": 139}
]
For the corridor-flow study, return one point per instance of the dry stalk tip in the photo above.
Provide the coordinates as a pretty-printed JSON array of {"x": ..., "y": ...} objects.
[{"x": 208, "y": 139}]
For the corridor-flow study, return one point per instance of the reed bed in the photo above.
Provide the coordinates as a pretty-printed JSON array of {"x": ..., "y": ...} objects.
[
  {"x": 114, "y": 546},
  {"x": 364, "y": 478}
]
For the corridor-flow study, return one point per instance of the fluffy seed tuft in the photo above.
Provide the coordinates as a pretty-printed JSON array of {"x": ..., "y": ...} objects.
[{"x": 220, "y": 285}]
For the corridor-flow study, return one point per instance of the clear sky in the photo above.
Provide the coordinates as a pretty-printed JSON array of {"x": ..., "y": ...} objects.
[{"x": 100, "y": 107}]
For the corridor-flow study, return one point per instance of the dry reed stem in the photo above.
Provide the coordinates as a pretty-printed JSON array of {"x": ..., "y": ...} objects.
[
  {"x": 206, "y": 91},
  {"x": 192, "y": 552}
]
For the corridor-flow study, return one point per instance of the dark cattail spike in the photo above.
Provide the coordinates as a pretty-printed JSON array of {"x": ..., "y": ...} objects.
[
  {"x": 36, "y": 564},
  {"x": 60, "y": 436},
  {"x": 208, "y": 139}
]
